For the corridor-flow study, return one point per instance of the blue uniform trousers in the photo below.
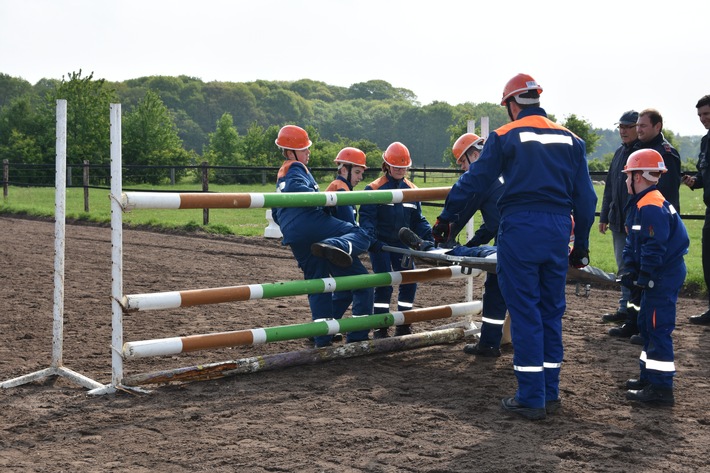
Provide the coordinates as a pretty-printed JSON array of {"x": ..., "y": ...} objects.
[
  {"x": 532, "y": 271},
  {"x": 383, "y": 262}
]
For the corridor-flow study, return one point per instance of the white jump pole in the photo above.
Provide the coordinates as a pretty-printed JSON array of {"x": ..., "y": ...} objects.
[{"x": 60, "y": 197}]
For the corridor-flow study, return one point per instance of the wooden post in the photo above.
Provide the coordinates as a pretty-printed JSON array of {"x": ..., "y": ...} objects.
[
  {"x": 205, "y": 188},
  {"x": 5, "y": 177},
  {"x": 172, "y": 176},
  {"x": 424, "y": 172},
  {"x": 86, "y": 186}
]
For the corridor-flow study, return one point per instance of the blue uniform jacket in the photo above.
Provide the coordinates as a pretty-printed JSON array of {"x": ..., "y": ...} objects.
[
  {"x": 295, "y": 177},
  {"x": 656, "y": 238},
  {"x": 347, "y": 213},
  {"x": 528, "y": 186},
  {"x": 383, "y": 221},
  {"x": 487, "y": 204}
]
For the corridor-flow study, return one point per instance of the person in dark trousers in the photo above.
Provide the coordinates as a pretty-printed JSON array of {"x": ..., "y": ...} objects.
[
  {"x": 701, "y": 180},
  {"x": 611, "y": 216},
  {"x": 546, "y": 177},
  {"x": 323, "y": 245},
  {"x": 351, "y": 168},
  {"x": 656, "y": 243},
  {"x": 382, "y": 223}
]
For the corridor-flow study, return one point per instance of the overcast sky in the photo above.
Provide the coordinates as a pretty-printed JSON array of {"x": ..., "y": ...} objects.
[{"x": 594, "y": 59}]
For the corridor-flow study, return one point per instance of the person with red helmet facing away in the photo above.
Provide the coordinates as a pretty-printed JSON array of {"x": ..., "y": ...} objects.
[
  {"x": 656, "y": 243},
  {"x": 351, "y": 168},
  {"x": 323, "y": 245},
  {"x": 546, "y": 177},
  {"x": 382, "y": 223}
]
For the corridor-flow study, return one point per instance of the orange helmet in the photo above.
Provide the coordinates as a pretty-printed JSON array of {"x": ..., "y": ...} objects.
[
  {"x": 518, "y": 85},
  {"x": 648, "y": 161},
  {"x": 397, "y": 155},
  {"x": 351, "y": 156},
  {"x": 464, "y": 142},
  {"x": 293, "y": 137}
]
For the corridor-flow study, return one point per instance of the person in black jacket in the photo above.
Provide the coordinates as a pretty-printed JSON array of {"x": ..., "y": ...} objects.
[
  {"x": 649, "y": 128},
  {"x": 702, "y": 181},
  {"x": 612, "y": 215}
]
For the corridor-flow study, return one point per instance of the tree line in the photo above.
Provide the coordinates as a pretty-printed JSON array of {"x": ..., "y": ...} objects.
[{"x": 182, "y": 120}]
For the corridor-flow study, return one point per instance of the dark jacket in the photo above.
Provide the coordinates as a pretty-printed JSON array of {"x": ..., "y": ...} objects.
[
  {"x": 703, "y": 175},
  {"x": 669, "y": 185},
  {"x": 616, "y": 196}
]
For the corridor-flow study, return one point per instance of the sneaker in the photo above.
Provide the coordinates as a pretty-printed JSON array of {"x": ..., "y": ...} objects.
[
  {"x": 553, "y": 406},
  {"x": 338, "y": 337},
  {"x": 332, "y": 253},
  {"x": 625, "y": 331},
  {"x": 481, "y": 350},
  {"x": 637, "y": 340},
  {"x": 616, "y": 317},
  {"x": 379, "y": 333},
  {"x": 636, "y": 384},
  {"x": 510, "y": 404},
  {"x": 652, "y": 394},
  {"x": 702, "y": 319},
  {"x": 402, "y": 330},
  {"x": 412, "y": 240}
]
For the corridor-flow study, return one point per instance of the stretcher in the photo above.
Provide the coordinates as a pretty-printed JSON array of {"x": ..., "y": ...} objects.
[{"x": 586, "y": 275}]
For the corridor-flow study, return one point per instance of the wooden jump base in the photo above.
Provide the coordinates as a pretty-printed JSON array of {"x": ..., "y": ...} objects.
[
  {"x": 175, "y": 299},
  {"x": 176, "y": 345},
  {"x": 296, "y": 358},
  {"x": 189, "y": 200}
]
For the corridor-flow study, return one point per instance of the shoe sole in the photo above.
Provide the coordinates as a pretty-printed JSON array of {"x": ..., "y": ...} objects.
[{"x": 333, "y": 255}]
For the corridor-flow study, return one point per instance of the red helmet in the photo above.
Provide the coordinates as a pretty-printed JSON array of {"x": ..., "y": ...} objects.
[
  {"x": 351, "y": 156},
  {"x": 519, "y": 85},
  {"x": 464, "y": 142},
  {"x": 397, "y": 155},
  {"x": 648, "y": 161},
  {"x": 293, "y": 137}
]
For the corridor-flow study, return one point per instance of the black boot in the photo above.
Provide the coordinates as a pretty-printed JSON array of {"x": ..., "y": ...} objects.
[
  {"x": 380, "y": 333},
  {"x": 402, "y": 330},
  {"x": 332, "y": 253},
  {"x": 481, "y": 350},
  {"x": 636, "y": 384},
  {"x": 625, "y": 331},
  {"x": 702, "y": 319},
  {"x": 412, "y": 240},
  {"x": 616, "y": 317},
  {"x": 652, "y": 394}
]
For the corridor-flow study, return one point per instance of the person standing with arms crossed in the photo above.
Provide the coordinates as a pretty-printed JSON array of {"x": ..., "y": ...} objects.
[
  {"x": 701, "y": 180},
  {"x": 322, "y": 244},
  {"x": 546, "y": 177},
  {"x": 382, "y": 223},
  {"x": 351, "y": 168}
]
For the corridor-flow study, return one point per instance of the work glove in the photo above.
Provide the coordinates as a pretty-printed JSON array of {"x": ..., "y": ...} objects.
[
  {"x": 644, "y": 280},
  {"x": 578, "y": 258},
  {"x": 441, "y": 230},
  {"x": 628, "y": 280}
]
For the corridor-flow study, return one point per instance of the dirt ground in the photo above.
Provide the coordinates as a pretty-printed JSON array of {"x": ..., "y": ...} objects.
[{"x": 433, "y": 409}]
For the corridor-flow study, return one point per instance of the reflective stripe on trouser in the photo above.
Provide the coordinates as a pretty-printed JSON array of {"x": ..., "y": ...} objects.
[
  {"x": 384, "y": 262},
  {"x": 494, "y": 310},
  {"x": 656, "y": 321},
  {"x": 532, "y": 272}
]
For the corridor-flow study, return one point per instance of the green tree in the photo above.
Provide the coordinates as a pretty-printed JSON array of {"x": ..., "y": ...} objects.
[
  {"x": 223, "y": 149},
  {"x": 150, "y": 138},
  {"x": 582, "y": 129}
]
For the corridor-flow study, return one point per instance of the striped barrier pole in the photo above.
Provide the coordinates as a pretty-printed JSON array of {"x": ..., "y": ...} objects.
[
  {"x": 223, "y": 369},
  {"x": 198, "y": 200},
  {"x": 176, "y": 345},
  {"x": 174, "y": 299}
]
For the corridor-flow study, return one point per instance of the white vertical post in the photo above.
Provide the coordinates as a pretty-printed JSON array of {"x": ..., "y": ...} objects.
[
  {"x": 470, "y": 128},
  {"x": 116, "y": 247},
  {"x": 60, "y": 196}
]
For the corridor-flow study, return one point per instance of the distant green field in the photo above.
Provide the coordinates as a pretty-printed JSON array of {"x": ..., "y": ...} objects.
[{"x": 38, "y": 201}]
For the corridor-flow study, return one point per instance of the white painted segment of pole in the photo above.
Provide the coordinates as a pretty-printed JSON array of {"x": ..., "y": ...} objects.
[
  {"x": 157, "y": 347},
  {"x": 470, "y": 128},
  {"x": 116, "y": 247},
  {"x": 257, "y": 200},
  {"x": 331, "y": 199},
  {"x": 485, "y": 127},
  {"x": 60, "y": 197},
  {"x": 466, "y": 308},
  {"x": 333, "y": 326},
  {"x": 397, "y": 196},
  {"x": 256, "y": 291},
  {"x": 330, "y": 285},
  {"x": 258, "y": 336},
  {"x": 149, "y": 200},
  {"x": 152, "y": 301},
  {"x": 395, "y": 278},
  {"x": 398, "y": 318}
]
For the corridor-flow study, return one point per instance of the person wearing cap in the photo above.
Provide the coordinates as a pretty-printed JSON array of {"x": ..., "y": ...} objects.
[
  {"x": 653, "y": 255},
  {"x": 466, "y": 150},
  {"x": 649, "y": 128},
  {"x": 382, "y": 223},
  {"x": 351, "y": 168},
  {"x": 612, "y": 217},
  {"x": 701, "y": 180},
  {"x": 546, "y": 177},
  {"x": 323, "y": 245}
]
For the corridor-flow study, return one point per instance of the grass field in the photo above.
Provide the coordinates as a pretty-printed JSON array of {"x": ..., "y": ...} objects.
[{"x": 39, "y": 201}]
